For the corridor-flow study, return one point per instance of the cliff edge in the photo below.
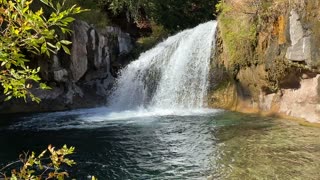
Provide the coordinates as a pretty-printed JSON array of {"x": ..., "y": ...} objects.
[{"x": 267, "y": 58}]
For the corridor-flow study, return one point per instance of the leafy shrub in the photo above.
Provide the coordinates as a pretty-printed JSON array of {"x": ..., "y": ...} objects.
[
  {"x": 25, "y": 30},
  {"x": 36, "y": 167}
]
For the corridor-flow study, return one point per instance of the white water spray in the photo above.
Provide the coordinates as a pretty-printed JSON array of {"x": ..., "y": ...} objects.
[{"x": 172, "y": 75}]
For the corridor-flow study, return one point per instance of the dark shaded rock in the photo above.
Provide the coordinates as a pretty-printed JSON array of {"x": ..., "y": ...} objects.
[
  {"x": 79, "y": 60},
  {"x": 83, "y": 79}
]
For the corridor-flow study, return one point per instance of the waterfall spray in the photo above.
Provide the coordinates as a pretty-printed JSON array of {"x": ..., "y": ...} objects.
[{"x": 174, "y": 74}]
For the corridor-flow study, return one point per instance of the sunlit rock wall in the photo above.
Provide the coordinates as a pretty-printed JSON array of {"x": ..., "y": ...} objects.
[{"x": 280, "y": 73}]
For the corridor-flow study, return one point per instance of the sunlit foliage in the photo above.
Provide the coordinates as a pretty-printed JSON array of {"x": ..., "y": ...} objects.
[{"x": 26, "y": 31}]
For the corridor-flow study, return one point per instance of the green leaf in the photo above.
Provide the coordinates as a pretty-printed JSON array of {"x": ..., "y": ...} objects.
[
  {"x": 3, "y": 63},
  {"x": 48, "y": 53},
  {"x": 45, "y": 2},
  {"x": 66, "y": 42},
  {"x": 8, "y": 98},
  {"x": 51, "y": 45},
  {"x": 65, "y": 30},
  {"x": 8, "y": 65},
  {"x": 58, "y": 45},
  {"x": 68, "y": 19},
  {"x": 66, "y": 49},
  {"x": 58, "y": 6},
  {"x": 44, "y": 86},
  {"x": 43, "y": 48}
]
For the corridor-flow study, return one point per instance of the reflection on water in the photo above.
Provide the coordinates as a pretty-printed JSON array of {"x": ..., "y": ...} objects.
[
  {"x": 264, "y": 148},
  {"x": 169, "y": 145}
]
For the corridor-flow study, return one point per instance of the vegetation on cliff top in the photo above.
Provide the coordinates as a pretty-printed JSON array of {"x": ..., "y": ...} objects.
[
  {"x": 239, "y": 33},
  {"x": 253, "y": 34},
  {"x": 172, "y": 15}
]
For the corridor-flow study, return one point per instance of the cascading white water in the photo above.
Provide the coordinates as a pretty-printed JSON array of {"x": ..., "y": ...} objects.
[{"x": 172, "y": 75}]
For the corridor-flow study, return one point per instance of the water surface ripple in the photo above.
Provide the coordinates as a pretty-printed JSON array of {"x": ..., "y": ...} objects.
[{"x": 169, "y": 145}]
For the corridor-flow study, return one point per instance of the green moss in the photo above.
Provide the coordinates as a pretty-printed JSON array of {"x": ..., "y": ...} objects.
[
  {"x": 144, "y": 43},
  {"x": 96, "y": 15},
  {"x": 239, "y": 34}
]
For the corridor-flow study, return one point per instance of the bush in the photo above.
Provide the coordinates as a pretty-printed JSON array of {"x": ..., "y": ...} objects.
[
  {"x": 34, "y": 166},
  {"x": 24, "y": 31},
  {"x": 239, "y": 33}
]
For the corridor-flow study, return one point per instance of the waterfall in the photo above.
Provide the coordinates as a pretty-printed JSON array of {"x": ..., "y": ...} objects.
[{"x": 172, "y": 75}]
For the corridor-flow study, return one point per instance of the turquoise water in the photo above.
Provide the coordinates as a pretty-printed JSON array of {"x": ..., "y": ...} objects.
[{"x": 169, "y": 145}]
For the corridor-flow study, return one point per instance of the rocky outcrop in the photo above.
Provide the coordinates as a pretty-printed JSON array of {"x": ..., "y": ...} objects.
[
  {"x": 302, "y": 102},
  {"x": 79, "y": 52},
  {"x": 82, "y": 79},
  {"x": 279, "y": 73},
  {"x": 300, "y": 49}
]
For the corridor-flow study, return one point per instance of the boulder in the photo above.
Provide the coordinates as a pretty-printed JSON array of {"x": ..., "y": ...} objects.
[
  {"x": 300, "y": 49},
  {"x": 60, "y": 75},
  {"x": 79, "y": 60}
]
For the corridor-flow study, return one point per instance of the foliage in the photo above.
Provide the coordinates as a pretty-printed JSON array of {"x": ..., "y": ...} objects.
[
  {"x": 96, "y": 16},
  {"x": 34, "y": 167},
  {"x": 172, "y": 14},
  {"x": 133, "y": 6},
  {"x": 24, "y": 30},
  {"x": 252, "y": 32},
  {"x": 144, "y": 43},
  {"x": 182, "y": 14},
  {"x": 239, "y": 34}
]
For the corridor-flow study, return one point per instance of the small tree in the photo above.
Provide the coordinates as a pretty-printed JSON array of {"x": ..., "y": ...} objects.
[
  {"x": 23, "y": 30},
  {"x": 174, "y": 15},
  {"x": 47, "y": 165},
  {"x": 34, "y": 167}
]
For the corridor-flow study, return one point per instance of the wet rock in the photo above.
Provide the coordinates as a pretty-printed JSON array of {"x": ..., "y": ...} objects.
[
  {"x": 124, "y": 39},
  {"x": 53, "y": 93},
  {"x": 55, "y": 62},
  {"x": 73, "y": 90},
  {"x": 60, "y": 75}
]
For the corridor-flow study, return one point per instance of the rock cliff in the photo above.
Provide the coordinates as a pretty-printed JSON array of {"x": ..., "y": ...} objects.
[
  {"x": 82, "y": 79},
  {"x": 268, "y": 57}
]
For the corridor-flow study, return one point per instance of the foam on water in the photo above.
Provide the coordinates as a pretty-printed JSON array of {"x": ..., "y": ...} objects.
[
  {"x": 101, "y": 117},
  {"x": 171, "y": 79},
  {"x": 172, "y": 75}
]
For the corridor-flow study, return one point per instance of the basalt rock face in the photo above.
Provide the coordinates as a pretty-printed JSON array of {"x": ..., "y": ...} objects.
[
  {"x": 280, "y": 73},
  {"x": 82, "y": 79}
]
